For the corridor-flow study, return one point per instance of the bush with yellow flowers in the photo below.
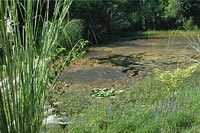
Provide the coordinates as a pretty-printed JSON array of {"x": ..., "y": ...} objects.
[{"x": 171, "y": 80}]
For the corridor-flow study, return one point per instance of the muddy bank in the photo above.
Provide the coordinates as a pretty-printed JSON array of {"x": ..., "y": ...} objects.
[{"x": 120, "y": 64}]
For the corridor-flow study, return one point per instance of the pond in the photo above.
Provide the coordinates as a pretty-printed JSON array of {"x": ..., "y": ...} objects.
[{"x": 119, "y": 64}]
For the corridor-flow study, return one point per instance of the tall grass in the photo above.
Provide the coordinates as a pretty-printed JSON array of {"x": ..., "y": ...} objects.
[{"x": 26, "y": 61}]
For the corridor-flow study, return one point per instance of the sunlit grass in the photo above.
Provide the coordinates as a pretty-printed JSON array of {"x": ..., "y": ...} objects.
[
  {"x": 152, "y": 33},
  {"x": 140, "y": 108}
]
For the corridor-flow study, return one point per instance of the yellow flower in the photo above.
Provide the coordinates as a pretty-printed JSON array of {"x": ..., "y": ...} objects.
[{"x": 171, "y": 80}]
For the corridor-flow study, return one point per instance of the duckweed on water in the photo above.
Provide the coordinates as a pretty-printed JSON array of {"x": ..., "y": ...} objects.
[{"x": 105, "y": 92}]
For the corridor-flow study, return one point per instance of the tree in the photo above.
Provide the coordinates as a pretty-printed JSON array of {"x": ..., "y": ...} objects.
[{"x": 183, "y": 11}]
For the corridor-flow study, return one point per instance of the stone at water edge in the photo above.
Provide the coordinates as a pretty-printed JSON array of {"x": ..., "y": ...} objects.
[{"x": 55, "y": 120}]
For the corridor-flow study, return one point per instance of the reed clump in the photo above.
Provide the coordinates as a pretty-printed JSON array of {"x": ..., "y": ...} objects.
[{"x": 26, "y": 60}]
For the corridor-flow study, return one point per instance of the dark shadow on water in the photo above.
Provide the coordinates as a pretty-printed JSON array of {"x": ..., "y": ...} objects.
[{"x": 120, "y": 60}]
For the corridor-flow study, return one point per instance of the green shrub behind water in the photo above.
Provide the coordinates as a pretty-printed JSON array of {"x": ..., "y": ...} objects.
[{"x": 71, "y": 33}]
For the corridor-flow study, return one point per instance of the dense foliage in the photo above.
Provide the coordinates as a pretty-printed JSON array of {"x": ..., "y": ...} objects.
[{"x": 105, "y": 17}]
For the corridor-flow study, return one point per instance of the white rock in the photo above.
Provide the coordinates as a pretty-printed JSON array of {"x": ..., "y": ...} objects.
[
  {"x": 49, "y": 111},
  {"x": 55, "y": 120}
]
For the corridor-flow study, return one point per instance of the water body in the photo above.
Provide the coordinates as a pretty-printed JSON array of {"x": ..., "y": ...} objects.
[{"x": 122, "y": 62}]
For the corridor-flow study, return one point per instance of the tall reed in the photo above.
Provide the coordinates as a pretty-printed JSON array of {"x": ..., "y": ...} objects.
[{"x": 27, "y": 61}]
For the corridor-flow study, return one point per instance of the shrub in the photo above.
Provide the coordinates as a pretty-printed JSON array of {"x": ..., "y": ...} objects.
[
  {"x": 172, "y": 80},
  {"x": 71, "y": 32},
  {"x": 189, "y": 24}
]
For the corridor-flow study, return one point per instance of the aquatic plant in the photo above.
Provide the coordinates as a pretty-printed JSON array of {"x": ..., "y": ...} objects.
[{"x": 105, "y": 92}]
